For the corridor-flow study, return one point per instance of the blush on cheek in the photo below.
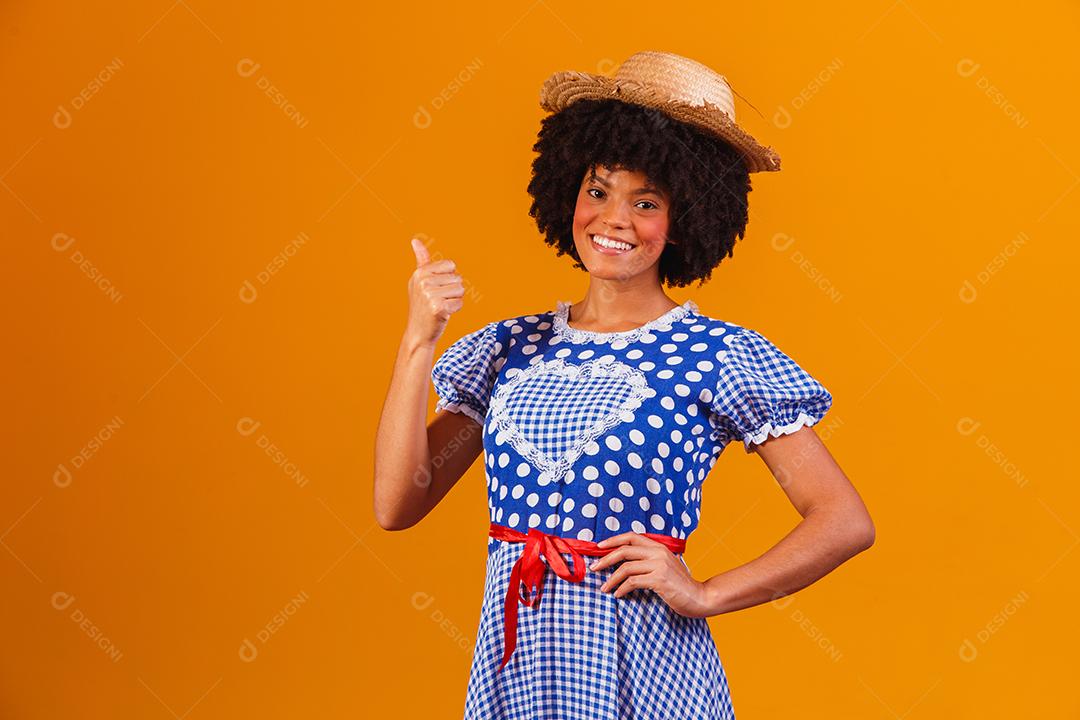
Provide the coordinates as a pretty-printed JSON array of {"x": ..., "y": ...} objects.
[{"x": 582, "y": 218}]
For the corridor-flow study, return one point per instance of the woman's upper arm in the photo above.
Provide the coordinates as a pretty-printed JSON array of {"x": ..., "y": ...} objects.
[
  {"x": 455, "y": 440},
  {"x": 770, "y": 402},
  {"x": 463, "y": 377},
  {"x": 813, "y": 480}
]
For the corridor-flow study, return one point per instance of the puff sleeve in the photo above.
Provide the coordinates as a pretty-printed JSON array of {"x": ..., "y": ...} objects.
[
  {"x": 761, "y": 392},
  {"x": 465, "y": 373}
]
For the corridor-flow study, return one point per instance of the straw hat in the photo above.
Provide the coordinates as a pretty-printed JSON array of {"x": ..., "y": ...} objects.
[{"x": 677, "y": 86}]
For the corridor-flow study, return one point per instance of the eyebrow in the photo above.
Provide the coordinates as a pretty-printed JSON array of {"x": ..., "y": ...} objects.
[{"x": 640, "y": 191}]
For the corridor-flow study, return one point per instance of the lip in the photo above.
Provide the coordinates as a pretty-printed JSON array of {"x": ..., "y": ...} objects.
[{"x": 610, "y": 251}]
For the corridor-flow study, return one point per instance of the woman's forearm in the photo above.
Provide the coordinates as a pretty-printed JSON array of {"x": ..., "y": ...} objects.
[
  {"x": 822, "y": 540},
  {"x": 402, "y": 455},
  {"x": 405, "y": 488}
]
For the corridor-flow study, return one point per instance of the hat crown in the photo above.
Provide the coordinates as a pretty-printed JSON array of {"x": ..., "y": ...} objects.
[
  {"x": 678, "y": 78},
  {"x": 683, "y": 89}
]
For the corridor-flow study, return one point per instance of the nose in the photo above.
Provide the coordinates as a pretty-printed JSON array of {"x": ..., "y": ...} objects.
[{"x": 614, "y": 216}]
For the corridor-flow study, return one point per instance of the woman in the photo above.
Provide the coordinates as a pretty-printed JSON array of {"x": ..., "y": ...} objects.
[{"x": 599, "y": 420}]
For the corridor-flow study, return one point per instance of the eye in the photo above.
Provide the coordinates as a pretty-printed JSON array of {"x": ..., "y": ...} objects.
[{"x": 590, "y": 191}]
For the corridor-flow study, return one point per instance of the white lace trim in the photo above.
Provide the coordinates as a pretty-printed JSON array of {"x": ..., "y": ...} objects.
[
  {"x": 459, "y": 408},
  {"x": 768, "y": 429},
  {"x": 577, "y": 336},
  {"x": 554, "y": 469}
]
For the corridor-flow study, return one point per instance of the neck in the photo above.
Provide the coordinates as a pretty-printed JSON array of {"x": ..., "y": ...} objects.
[{"x": 616, "y": 306}]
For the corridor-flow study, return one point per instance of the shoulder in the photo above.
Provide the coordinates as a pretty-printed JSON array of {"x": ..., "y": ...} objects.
[
  {"x": 738, "y": 345},
  {"x": 724, "y": 331},
  {"x": 498, "y": 336},
  {"x": 529, "y": 319},
  {"x": 514, "y": 329}
]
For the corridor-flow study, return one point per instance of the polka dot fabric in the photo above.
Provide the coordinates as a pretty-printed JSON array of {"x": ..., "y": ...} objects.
[{"x": 588, "y": 435}]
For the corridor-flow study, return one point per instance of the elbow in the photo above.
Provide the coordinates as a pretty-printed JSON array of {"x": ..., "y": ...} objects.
[
  {"x": 386, "y": 521},
  {"x": 391, "y": 521},
  {"x": 850, "y": 529},
  {"x": 391, "y": 526},
  {"x": 864, "y": 535},
  {"x": 390, "y": 518},
  {"x": 854, "y": 528}
]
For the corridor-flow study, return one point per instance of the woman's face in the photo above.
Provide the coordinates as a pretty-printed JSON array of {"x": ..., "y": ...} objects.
[{"x": 621, "y": 206}]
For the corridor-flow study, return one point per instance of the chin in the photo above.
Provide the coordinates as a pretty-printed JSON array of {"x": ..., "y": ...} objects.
[
  {"x": 617, "y": 269},
  {"x": 605, "y": 274}
]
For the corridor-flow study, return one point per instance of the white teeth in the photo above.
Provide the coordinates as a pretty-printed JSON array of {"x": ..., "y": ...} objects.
[{"x": 609, "y": 243}]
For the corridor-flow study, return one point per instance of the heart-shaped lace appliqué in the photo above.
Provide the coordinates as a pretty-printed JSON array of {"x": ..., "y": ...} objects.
[{"x": 552, "y": 410}]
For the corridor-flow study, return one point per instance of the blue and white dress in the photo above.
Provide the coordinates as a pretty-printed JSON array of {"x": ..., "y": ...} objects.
[{"x": 588, "y": 435}]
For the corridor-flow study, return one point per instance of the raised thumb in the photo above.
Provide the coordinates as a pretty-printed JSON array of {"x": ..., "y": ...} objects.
[{"x": 421, "y": 251}]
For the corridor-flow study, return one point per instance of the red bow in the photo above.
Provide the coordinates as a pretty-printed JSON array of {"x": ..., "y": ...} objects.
[{"x": 529, "y": 569}]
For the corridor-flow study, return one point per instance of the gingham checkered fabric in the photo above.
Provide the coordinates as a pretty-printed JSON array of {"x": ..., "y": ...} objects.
[
  {"x": 589, "y": 435},
  {"x": 763, "y": 392},
  {"x": 555, "y": 410},
  {"x": 464, "y": 373},
  {"x": 583, "y": 654}
]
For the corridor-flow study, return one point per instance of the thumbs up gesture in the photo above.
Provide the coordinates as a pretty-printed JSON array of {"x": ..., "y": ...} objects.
[{"x": 435, "y": 293}]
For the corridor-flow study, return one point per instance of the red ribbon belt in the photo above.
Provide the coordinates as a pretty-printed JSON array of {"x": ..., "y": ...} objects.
[{"x": 529, "y": 569}]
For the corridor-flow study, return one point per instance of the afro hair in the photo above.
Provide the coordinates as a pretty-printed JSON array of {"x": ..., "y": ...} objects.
[{"x": 705, "y": 178}]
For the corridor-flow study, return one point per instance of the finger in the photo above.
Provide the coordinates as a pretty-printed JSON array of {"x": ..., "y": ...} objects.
[
  {"x": 620, "y": 574},
  {"x": 439, "y": 279},
  {"x": 621, "y": 554},
  {"x": 434, "y": 285},
  {"x": 452, "y": 290},
  {"x": 608, "y": 559},
  {"x": 620, "y": 539},
  {"x": 626, "y": 571},
  {"x": 452, "y": 305},
  {"x": 421, "y": 252},
  {"x": 632, "y": 583},
  {"x": 645, "y": 580},
  {"x": 436, "y": 267}
]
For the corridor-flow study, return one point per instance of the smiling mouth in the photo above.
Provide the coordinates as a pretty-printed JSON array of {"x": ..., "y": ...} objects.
[{"x": 609, "y": 246}]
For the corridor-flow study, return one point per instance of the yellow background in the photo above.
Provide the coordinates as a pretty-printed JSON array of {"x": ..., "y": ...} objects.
[{"x": 206, "y": 284}]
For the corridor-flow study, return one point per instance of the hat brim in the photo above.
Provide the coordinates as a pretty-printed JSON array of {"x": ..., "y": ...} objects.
[{"x": 566, "y": 87}]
